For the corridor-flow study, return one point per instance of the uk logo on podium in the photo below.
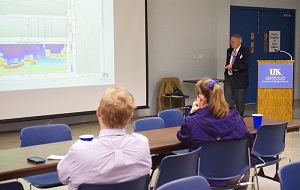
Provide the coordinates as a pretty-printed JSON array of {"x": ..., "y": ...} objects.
[{"x": 275, "y": 76}]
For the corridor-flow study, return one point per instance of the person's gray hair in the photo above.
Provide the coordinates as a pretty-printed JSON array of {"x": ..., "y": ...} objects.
[{"x": 238, "y": 37}]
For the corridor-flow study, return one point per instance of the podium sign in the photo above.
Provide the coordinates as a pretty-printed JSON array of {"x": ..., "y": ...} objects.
[
  {"x": 275, "y": 76},
  {"x": 275, "y": 89}
]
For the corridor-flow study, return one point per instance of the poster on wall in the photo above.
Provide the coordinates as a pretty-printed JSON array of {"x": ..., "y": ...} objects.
[
  {"x": 265, "y": 42},
  {"x": 274, "y": 41},
  {"x": 252, "y": 42}
]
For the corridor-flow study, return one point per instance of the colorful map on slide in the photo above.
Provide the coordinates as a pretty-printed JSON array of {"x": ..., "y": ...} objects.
[{"x": 33, "y": 58}]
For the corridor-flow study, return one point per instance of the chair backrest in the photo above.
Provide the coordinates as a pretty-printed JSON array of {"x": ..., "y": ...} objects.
[
  {"x": 187, "y": 183},
  {"x": 171, "y": 117},
  {"x": 43, "y": 134},
  {"x": 148, "y": 123},
  {"x": 289, "y": 176},
  {"x": 223, "y": 160},
  {"x": 177, "y": 166},
  {"x": 12, "y": 185},
  {"x": 141, "y": 183},
  {"x": 270, "y": 140}
]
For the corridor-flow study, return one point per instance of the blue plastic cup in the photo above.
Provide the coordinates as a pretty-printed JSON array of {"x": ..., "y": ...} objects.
[
  {"x": 86, "y": 137},
  {"x": 257, "y": 120}
]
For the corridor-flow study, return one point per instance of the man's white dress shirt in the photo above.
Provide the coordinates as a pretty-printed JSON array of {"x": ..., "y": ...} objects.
[{"x": 113, "y": 157}]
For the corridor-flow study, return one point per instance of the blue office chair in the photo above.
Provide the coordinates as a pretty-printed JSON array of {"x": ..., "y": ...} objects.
[
  {"x": 43, "y": 134},
  {"x": 289, "y": 176},
  {"x": 187, "y": 183},
  {"x": 225, "y": 160},
  {"x": 148, "y": 123},
  {"x": 171, "y": 117},
  {"x": 141, "y": 183},
  {"x": 12, "y": 185},
  {"x": 267, "y": 149},
  {"x": 177, "y": 166}
]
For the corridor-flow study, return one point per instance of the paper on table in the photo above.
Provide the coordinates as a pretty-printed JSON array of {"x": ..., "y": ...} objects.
[{"x": 55, "y": 157}]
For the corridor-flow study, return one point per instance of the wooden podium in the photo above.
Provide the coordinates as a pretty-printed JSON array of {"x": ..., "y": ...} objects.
[{"x": 275, "y": 100}]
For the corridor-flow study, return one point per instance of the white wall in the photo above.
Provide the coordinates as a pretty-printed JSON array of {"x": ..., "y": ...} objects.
[{"x": 180, "y": 29}]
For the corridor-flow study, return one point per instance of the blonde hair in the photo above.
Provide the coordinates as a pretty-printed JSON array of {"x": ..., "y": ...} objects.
[
  {"x": 116, "y": 107},
  {"x": 214, "y": 96}
]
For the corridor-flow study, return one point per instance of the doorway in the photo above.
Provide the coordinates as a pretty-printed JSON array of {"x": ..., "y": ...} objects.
[{"x": 254, "y": 25}]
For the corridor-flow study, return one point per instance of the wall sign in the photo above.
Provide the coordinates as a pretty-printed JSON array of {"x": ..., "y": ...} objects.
[
  {"x": 252, "y": 42},
  {"x": 275, "y": 76},
  {"x": 265, "y": 42},
  {"x": 274, "y": 40}
]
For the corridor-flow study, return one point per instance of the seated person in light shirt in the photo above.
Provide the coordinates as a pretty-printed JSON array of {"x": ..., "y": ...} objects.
[{"x": 113, "y": 157}]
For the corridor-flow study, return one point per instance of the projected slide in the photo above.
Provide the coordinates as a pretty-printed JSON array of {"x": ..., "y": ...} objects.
[
  {"x": 43, "y": 45},
  {"x": 33, "y": 58},
  {"x": 57, "y": 57}
]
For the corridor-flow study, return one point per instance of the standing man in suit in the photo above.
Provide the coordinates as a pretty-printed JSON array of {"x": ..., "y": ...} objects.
[{"x": 236, "y": 73}]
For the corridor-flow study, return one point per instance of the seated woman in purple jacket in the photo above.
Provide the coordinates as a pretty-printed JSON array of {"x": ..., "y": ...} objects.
[{"x": 211, "y": 119}]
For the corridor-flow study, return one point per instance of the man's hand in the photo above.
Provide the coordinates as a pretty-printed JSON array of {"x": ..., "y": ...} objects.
[{"x": 229, "y": 66}]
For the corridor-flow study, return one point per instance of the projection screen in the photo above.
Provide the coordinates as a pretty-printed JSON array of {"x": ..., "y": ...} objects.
[{"x": 57, "y": 57}]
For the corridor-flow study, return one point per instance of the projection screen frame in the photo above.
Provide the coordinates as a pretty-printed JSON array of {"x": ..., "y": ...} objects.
[{"x": 67, "y": 117}]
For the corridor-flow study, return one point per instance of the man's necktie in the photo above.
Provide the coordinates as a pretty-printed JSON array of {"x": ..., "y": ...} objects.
[{"x": 232, "y": 61}]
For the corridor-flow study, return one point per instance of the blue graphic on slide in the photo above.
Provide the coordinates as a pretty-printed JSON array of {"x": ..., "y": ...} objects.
[{"x": 33, "y": 58}]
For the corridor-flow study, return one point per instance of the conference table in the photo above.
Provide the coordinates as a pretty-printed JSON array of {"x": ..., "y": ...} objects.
[{"x": 14, "y": 164}]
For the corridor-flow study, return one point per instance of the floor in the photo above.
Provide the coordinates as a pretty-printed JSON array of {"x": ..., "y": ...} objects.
[{"x": 292, "y": 150}]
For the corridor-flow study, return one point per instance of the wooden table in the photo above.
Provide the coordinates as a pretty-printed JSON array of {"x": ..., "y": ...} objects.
[
  {"x": 165, "y": 140},
  {"x": 13, "y": 163},
  {"x": 292, "y": 126}
]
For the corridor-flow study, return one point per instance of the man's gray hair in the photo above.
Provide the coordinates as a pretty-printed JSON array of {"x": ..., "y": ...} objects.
[{"x": 238, "y": 37}]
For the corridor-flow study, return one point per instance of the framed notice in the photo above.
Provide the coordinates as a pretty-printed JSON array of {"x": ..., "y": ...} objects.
[
  {"x": 274, "y": 40},
  {"x": 275, "y": 76}
]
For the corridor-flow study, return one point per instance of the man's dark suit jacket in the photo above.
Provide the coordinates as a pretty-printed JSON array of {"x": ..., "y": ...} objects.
[{"x": 240, "y": 67}]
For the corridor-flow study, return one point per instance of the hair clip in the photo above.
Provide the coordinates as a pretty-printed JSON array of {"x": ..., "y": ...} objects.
[{"x": 212, "y": 83}]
